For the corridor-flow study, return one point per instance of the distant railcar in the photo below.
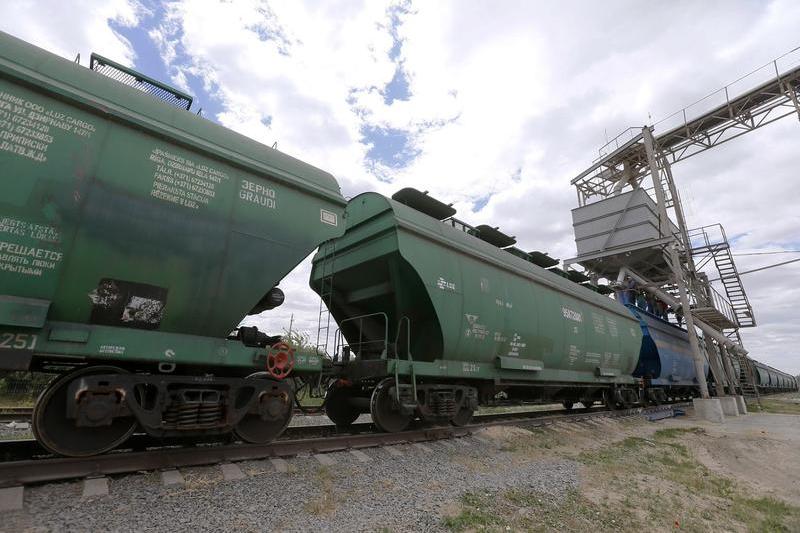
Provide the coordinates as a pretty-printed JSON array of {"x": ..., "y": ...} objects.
[{"x": 772, "y": 380}]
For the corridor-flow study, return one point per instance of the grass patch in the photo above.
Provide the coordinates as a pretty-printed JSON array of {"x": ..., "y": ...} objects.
[
  {"x": 642, "y": 471},
  {"x": 323, "y": 501},
  {"x": 636, "y": 484},
  {"x": 523, "y": 510},
  {"x": 537, "y": 441},
  {"x": 779, "y": 406},
  {"x": 766, "y": 514},
  {"x": 16, "y": 400},
  {"x": 673, "y": 433},
  {"x": 478, "y": 511},
  {"x": 307, "y": 401}
]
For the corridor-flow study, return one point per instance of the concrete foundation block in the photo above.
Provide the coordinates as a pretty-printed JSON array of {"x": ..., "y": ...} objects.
[
  {"x": 740, "y": 403},
  {"x": 729, "y": 406},
  {"x": 394, "y": 451},
  {"x": 280, "y": 465},
  {"x": 361, "y": 456},
  {"x": 421, "y": 447},
  {"x": 11, "y": 498},
  {"x": 232, "y": 472},
  {"x": 171, "y": 478},
  {"x": 97, "y": 486},
  {"x": 325, "y": 459},
  {"x": 709, "y": 409}
]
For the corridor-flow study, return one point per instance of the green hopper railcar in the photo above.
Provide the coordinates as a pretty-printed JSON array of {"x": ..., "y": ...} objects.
[
  {"x": 770, "y": 379},
  {"x": 436, "y": 318},
  {"x": 134, "y": 237}
]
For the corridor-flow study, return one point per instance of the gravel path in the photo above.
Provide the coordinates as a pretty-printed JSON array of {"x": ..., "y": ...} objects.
[{"x": 406, "y": 493}]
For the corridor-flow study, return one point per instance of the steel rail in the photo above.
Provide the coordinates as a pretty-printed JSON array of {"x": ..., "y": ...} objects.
[
  {"x": 13, "y": 414},
  {"x": 31, "y": 471},
  {"x": 20, "y": 449}
]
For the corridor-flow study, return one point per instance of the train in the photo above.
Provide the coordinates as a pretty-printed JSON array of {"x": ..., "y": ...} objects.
[
  {"x": 438, "y": 316},
  {"x": 135, "y": 235}
]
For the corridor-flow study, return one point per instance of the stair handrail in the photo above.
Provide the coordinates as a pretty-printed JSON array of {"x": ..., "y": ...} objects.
[
  {"x": 723, "y": 306},
  {"x": 360, "y": 343}
]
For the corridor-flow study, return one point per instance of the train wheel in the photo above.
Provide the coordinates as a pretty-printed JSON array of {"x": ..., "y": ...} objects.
[
  {"x": 628, "y": 398},
  {"x": 59, "y": 435},
  {"x": 568, "y": 404},
  {"x": 275, "y": 413},
  {"x": 338, "y": 406},
  {"x": 385, "y": 413},
  {"x": 609, "y": 398},
  {"x": 463, "y": 417},
  {"x": 655, "y": 398}
]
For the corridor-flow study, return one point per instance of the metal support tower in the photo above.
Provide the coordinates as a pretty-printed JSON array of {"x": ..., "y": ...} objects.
[
  {"x": 674, "y": 260},
  {"x": 668, "y": 260}
]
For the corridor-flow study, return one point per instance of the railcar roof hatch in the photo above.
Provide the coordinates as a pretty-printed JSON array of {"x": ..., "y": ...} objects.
[
  {"x": 542, "y": 259},
  {"x": 494, "y": 236},
  {"x": 577, "y": 277},
  {"x": 423, "y": 203},
  {"x": 601, "y": 289},
  {"x": 513, "y": 250},
  {"x": 137, "y": 80}
]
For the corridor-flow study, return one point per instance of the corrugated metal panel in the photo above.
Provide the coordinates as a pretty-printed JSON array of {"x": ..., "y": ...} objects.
[{"x": 616, "y": 222}]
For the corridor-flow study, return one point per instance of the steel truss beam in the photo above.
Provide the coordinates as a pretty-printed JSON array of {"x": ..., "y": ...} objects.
[{"x": 624, "y": 157}]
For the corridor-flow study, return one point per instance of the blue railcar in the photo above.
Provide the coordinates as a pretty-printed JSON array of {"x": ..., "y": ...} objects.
[{"x": 666, "y": 365}]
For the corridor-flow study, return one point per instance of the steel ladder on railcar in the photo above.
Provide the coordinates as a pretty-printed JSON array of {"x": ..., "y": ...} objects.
[{"x": 328, "y": 252}]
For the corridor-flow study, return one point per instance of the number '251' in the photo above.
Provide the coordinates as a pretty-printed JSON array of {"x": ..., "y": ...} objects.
[{"x": 17, "y": 341}]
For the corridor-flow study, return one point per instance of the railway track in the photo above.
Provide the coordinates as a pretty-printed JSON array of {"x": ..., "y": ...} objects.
[
  {"x": 23, "y": 414},
  {"x": 22, "y": 449},
  {"x": 15, "y": 414},
  {"x": 139, "y": 456}
]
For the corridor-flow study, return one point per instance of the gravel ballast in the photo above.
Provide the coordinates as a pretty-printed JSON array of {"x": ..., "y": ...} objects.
[{"x": 410, "y": 492}]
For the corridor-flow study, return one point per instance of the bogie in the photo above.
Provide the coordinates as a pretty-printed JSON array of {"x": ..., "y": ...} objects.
[{"x": 94, "y": 409}]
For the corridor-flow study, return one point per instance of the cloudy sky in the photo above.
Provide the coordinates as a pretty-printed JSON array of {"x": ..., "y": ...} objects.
[{"x": 494, "y": 106}]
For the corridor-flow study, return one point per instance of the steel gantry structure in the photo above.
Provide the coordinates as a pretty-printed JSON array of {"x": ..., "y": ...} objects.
[{"x": 630, "y": 222}]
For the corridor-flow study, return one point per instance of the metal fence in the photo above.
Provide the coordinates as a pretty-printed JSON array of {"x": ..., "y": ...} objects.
[{"x": 18, "y": 388}]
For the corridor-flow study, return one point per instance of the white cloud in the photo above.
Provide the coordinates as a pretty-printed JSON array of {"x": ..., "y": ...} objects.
[
  {"x": 75, "y": 27},
  {"x": 302, "y": 78}
]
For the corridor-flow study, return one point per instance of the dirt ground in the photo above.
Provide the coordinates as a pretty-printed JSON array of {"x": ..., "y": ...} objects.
[{"x": 675, "y": 474}]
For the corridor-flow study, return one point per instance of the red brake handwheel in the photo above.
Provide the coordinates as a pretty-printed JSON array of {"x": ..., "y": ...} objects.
[{"x": 280, "y": 360}]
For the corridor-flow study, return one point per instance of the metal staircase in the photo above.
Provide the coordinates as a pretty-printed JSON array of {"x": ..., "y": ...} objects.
[
  {"x": 747, "y": 378},
  {"x": 730, "y": 279},
  {"x": 707, "y": 248},
  {"x": 327, "y": 252}
]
